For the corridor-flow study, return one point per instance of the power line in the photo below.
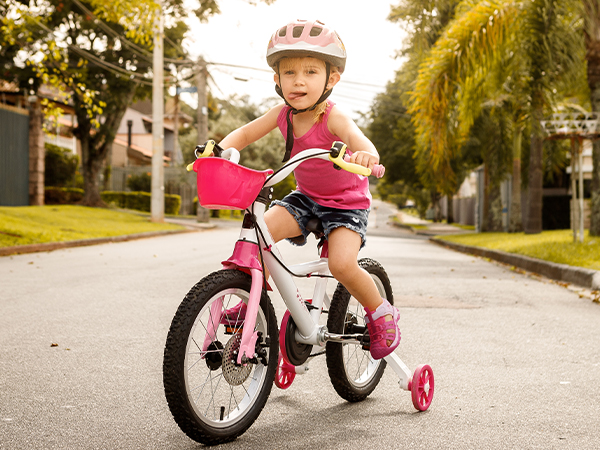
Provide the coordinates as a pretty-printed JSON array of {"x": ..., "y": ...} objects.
[{"x": 136, "y": 49}]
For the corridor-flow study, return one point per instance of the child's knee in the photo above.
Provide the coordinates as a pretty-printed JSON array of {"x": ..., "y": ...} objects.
[{"x": 343, "y": 269}]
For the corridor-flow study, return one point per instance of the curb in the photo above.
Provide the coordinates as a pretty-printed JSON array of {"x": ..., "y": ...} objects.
[
  {"x": 587, "y": 278},
  {"x": 50, "y": 246}
]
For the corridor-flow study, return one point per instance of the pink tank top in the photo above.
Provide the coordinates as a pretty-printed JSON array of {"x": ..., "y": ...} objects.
[{"x": 318, "y": 179}]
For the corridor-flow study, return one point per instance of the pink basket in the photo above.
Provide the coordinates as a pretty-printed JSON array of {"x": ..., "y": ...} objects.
[{"x": 226, "y": 185}]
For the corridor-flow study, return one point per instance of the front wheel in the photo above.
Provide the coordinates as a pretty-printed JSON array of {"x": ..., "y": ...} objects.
[
  {"x": 353, "y": 372},
  {"x": 212, "y": 398}
]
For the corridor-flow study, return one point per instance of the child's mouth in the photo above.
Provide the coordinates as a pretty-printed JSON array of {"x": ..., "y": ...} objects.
[{"x": 296, "y": 95}]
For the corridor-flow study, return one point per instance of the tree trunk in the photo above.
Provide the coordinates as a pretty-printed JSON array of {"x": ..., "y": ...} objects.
[
  {"x": 595, "y": 203},
  {"x": 516, "y": 223},
  {"x": 37, "y": 154},
  {"x": 450, "y": 208},
  {"x": 536, "y": 179},
  {"x": 95, "y": 145},
  {"x": 593, "y": 60},
  {"x": 91, "y": 175}
]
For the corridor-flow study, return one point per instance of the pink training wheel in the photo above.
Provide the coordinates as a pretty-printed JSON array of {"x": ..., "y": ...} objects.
[
  {"x": 421, "y": 387},
  {"x": 285, "y": 374}
]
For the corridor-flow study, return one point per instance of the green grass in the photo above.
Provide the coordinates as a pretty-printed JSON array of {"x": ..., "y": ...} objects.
[
  {"x": 555, "y": 246},
  {"x": 24, "y": 225}
]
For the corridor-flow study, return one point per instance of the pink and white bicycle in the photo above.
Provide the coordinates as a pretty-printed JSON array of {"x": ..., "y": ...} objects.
[{"x": 224, "y": 350}]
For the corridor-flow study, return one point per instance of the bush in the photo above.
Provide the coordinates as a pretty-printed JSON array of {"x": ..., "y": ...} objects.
[
  {"x": 62, "y": 195},
  {"x": 61, "y": 167},
  {"x": 141, "y": 182},
  {"x": 140, "y": 201}
]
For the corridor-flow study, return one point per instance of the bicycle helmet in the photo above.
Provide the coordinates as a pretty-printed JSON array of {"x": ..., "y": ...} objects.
[{"x": 307, "y": 38}]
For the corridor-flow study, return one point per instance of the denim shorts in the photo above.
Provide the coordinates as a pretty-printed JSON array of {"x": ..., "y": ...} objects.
[{"x": 302, "y": 208}]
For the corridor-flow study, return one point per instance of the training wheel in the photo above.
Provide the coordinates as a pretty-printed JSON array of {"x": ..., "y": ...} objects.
[
  {"x": 422, "y": 386},
  {"x": 285, "y": 373}
]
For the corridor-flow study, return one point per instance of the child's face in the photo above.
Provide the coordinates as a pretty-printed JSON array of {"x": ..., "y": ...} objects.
[{"x": 302, "y": 80}]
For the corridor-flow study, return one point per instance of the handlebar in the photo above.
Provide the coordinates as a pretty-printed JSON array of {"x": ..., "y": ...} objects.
[
  {"x": 337, "y": 155},
  {"x": 341, "y": 160}
]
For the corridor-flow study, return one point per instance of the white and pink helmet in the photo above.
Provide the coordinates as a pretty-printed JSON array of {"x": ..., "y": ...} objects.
[{"x": 307, "y": 38}]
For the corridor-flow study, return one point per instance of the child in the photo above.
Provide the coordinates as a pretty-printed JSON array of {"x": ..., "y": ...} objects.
[{"x": 308, "y": 59}]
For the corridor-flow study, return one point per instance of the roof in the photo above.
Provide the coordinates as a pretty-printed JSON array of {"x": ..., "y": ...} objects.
[
  {"x": 144, "y": 151},
  {"x": 8, "y": 86}
]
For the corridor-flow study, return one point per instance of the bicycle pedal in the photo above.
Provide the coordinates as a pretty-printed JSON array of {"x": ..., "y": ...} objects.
[{"x": 366, "y": 341}]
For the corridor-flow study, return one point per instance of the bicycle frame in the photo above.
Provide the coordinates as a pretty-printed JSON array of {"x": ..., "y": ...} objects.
[{"x": 246, "y": 256}]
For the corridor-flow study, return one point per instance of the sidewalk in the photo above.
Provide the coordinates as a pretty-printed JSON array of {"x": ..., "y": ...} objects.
[
  {"x": 587, "y": 278},
  {"x": 426, "y": 227}
]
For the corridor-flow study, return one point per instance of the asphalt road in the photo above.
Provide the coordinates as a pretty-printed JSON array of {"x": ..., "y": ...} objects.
[{"x": 516, "y": 359}]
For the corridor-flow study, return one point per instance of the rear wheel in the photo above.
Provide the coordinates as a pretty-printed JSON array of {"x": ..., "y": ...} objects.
[
  {"x": 211, "y": 397},
  {"x": 353, "y": 372}
]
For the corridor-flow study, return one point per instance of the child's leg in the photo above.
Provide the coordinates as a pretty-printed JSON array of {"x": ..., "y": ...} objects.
[
  {"x": 344, "y": 245},
  {"x": 281, "y": 223}
]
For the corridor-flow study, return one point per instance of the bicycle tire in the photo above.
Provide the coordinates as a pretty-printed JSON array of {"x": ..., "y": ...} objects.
[
  {"x": 212, "y": 399},
  {"x": 354, "y": 374}
]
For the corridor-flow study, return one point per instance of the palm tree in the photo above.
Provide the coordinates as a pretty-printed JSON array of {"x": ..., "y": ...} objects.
[
  {"x": 452, "y": 81},
  {"x": 592, "y": 44}
]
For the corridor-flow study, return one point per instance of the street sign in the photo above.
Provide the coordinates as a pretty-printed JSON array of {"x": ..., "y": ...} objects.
[{"x": 190, "y": 89}]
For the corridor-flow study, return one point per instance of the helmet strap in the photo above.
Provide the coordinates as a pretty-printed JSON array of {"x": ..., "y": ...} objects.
[{"x": 289, "y": 140}]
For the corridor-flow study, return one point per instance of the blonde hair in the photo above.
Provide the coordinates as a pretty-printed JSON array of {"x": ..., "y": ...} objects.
[{"x": 321, "y": 108}]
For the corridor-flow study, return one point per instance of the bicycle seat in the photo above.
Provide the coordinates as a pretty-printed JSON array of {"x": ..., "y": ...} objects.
[{"x": 314, "y": 226}]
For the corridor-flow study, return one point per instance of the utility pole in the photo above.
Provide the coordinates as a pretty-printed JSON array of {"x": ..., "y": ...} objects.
[
  {"x": 202, "y": 102},
  {"x": 202, "y": 214},
  {"x": 157, "y": 204},
  {"x": 177, "y": 159}
]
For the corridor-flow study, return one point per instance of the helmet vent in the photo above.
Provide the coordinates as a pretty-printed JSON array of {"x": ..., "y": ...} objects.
[
  {"x": 297, "y": 32},
  {"x": 315, "y": 31},
  {"x": 282, "y": 32}
]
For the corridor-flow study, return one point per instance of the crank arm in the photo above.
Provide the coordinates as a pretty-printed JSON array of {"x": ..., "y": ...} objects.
[{"x": 360, "y": 339}]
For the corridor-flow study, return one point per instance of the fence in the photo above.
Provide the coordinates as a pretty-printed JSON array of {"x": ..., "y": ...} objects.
[{"x": 14, "y": 156}]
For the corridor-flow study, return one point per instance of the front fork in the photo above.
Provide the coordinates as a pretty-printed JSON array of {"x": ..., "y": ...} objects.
[
  {"x": 247, "y": 347},
  {"x": 245, "y": 258}
]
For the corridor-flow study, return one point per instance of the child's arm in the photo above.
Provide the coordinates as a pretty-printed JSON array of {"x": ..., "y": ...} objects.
[
  {"x": 253, "y": 131},
  {"x": 363, "y": 150}
]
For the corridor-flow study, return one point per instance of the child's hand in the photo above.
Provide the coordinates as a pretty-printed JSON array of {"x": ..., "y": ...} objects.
[{"x": 364, "y": 159}]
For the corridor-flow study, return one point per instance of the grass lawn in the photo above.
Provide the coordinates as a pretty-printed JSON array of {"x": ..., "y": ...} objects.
[
  {"x": 22, "y": 225},
  {"x": 555, "y": 246}
]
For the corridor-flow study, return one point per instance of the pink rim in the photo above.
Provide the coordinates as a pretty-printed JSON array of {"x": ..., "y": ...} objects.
[
  {"x": 285, "y": 374},
  {"x": 422, "y": 386}
]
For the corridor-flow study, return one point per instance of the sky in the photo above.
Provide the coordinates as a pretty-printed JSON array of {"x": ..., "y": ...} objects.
[{"x": 240, "y": 35}]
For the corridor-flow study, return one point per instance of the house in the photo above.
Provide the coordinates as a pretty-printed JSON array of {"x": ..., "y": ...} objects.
[{"x": 133, "y": 143}]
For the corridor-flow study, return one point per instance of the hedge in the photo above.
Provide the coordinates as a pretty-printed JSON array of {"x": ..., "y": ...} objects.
[
  {"x": 139, "y": 201},
  {"x": 62, "y": 195}
]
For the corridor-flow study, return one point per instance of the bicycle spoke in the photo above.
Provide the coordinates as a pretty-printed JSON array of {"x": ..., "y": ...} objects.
[{"x": 212, "y": 398}]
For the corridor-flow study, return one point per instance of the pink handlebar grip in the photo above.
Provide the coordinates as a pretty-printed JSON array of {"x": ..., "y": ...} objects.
[{"x": 377, "y": 171}]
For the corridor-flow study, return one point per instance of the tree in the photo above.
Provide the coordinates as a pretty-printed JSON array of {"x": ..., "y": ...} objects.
[
  {"x": 452, "y": 80},
  {"x": 391, "y": 127},
  {"x": 98, "y": 52},
  {"x": 591, "y": 15}
]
